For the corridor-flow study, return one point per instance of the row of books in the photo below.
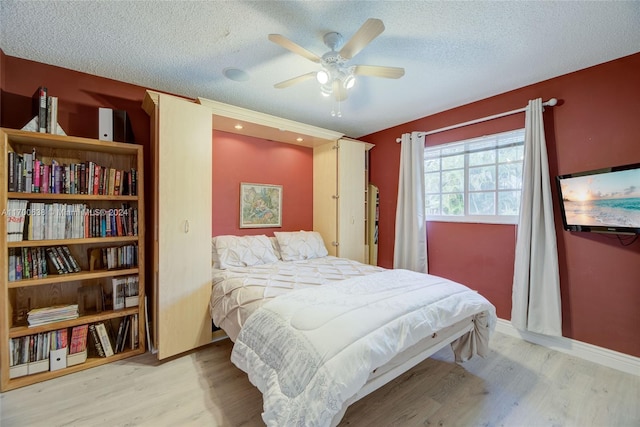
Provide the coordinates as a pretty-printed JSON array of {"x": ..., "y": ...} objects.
[
  {"x": 16, "y": 215},
  {"x": 62, "y": 260},
  {"x": 46, "y": 221},
  {"x": 31, "y": 263},
  {"x": 36, "y": 262},
  {"x": 27, "y": 263},
  {"x": 109, "y": 340},
  {"x": 125, "y": 291},
  {"x": 56, "y": 313},
  {"x": 29, "y": 174},
  {"x": 106, "y": 339},
  {"x": 41, "y": 346},
  {"x": 45, "y": 109},
  {"x": 30, "y": 348},
  {"x": 113, "y": 257}
]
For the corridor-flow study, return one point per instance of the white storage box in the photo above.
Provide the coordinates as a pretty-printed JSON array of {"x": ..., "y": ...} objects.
[{"x": 58, "y": 359}]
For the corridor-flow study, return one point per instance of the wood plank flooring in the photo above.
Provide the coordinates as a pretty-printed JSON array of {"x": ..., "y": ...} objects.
[{"x": 518, "y": 384}]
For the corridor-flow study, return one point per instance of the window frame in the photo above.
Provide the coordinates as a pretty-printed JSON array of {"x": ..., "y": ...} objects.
[{"x": 467, "y": 217}]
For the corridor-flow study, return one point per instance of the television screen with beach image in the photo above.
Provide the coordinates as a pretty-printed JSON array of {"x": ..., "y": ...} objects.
[{"x": 608, "y": 198}]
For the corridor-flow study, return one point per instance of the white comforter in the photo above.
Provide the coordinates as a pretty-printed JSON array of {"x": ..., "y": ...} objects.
[
  {"x": 239, "y": 291},
  {"x": 311, "y": 350}
]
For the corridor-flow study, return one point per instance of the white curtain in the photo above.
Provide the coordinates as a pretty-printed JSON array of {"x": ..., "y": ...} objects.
[
  {"x": 410, "y": 249},
  {"x": 536, "y": 283}
]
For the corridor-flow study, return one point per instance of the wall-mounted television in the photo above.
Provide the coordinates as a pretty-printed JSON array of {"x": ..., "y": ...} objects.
[{"x": 603, "y": 200}]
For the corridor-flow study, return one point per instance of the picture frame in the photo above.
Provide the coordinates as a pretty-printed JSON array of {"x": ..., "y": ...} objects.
[{"x": 260, "y": 205}]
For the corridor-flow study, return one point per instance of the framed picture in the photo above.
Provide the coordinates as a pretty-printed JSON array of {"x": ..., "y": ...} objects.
[{"x": 260, "y": 205}]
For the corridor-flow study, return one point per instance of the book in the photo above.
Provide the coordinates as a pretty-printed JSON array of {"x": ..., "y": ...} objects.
[
  {"x": 123, "y": 330},
  {"x": 11, "y": 165},
  {"x": 40, "y": 108},
  {"x": 131, "y": 291},
  {"x": 75, "y": 267},
  {"x": 122, "y": 130},
  {"x": 59, "y": 339},
  {"x": 19, "y": 174},
  {"x": 28, "y": 172},
  {"x": 63, "y": 259},
  {"x": 125, "y": 333},
  {"x": 16, "y": 217},
  {"x": 52, "y": 114},
  {"x": 53, "y": 260},
  {"x": 104, "y": 339},
  {"x": 116, "y": 184},
  {"x": 78, "y": 339},
  {"x": 112, "y": 182},
  {"x": 96, "y": 340},
  {"x": 12, "y": 264},
  {"x": 37, "y": 173},
  {"x": 118, "y": 284}
]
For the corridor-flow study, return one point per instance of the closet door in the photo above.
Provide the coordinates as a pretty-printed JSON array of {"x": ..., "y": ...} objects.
[
  {"x": 325, "y": 194},
  {"x": 183, "y": 225},
  {"x": 351, "y": 203},
  {"x": 339, "y": 197}
]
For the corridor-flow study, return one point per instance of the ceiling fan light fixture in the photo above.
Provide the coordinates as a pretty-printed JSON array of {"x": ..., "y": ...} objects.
[
  {"x": 326, "y": 90},
  {"x": 322, "y": 76},
  {"x": 349, "y": 82}
]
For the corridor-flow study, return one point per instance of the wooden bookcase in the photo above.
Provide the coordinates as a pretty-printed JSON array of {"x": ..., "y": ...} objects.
[{"x": 19, "y": 296}]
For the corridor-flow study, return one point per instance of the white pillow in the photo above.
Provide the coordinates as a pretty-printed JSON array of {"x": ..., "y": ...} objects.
[
  {"x": 297, "y": 245},
  {"x": 242, "y": 251}
]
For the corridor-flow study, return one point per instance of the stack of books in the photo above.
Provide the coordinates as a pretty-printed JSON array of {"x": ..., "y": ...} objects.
[{"x": 41, "y": 316}]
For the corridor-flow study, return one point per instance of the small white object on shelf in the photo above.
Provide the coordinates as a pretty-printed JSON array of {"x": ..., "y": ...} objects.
[{"x": 33, "y": 127}]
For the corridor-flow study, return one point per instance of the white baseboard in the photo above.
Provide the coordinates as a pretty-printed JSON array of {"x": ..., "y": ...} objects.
[{"x": 610, "y": 358}]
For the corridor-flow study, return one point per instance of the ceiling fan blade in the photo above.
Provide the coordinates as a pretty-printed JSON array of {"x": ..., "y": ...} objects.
[
  {"x": 295, "y": 80},
  {"x": 377, "y": 71},
  {"x": 365, "y": 34},
  {"x": 295, "y": 48},
  {"x": 339, "y": 92}
]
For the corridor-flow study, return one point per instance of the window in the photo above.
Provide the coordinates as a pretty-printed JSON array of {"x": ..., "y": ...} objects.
[{"x": 476, "y": 180}]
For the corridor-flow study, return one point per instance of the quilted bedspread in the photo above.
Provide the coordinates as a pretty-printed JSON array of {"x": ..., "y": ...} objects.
[
  {"x": 239, "y": 291},
  {"x": 311, "y": 350}
]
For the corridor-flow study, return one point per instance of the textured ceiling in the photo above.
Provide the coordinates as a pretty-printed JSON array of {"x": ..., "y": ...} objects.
[{"x": 453, "y": 52}]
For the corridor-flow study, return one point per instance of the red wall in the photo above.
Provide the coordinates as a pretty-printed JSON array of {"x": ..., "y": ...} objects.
[
  {"x": 238, "y": 158},
  {"x": 596, "y": 124}
]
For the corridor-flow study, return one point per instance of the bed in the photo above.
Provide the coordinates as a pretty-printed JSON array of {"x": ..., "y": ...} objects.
[{"x": 315, "y": 333}]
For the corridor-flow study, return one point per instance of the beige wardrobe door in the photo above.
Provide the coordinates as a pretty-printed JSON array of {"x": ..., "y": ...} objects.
[
  {"x": 325, "y": 192},
  {"x": 183, "y": 236},
  {"x": 351, "y": 203},
  {"x": 339, "y": 197}
]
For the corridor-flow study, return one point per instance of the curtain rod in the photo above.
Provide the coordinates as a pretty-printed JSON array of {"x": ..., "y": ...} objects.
[{"x": 549, "y": 103}]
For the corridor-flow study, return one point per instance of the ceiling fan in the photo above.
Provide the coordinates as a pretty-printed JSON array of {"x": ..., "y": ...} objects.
[{"x": 336, "y": 76}]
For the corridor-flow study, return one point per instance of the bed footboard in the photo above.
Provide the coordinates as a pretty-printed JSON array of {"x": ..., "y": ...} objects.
[{"x": 471, "y": 336}]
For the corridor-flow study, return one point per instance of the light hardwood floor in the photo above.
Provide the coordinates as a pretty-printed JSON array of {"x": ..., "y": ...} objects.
[{"x": 518, "y": 384}]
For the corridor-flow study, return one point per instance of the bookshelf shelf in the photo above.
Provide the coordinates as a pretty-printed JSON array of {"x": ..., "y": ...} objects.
[
  {"x": 62, "y": 197},
  {"x": 21, "y": 331},
  {"x": 58, "y": 242},
  {"x": 62, "y": 278},
  {"x": 91, "y": 362},
  {"x": 93, "y": 282}
]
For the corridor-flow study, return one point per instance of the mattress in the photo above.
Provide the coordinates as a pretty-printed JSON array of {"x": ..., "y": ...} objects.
[{"x": 239, "y": 291}]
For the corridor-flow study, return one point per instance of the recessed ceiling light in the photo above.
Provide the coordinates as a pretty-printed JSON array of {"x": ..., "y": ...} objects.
[
  {"x": 238, "y": 126},
  {"x": 235, "y": 74}
]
